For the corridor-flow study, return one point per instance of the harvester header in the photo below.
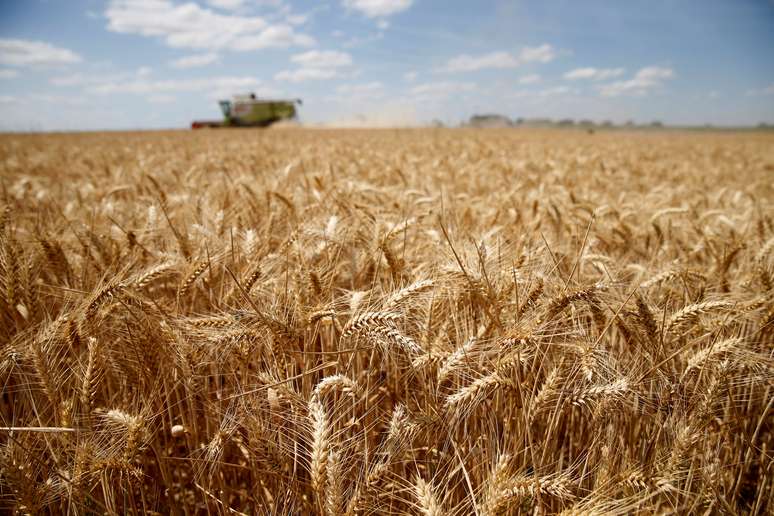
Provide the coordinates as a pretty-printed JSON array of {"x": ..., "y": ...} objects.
[{"x": 250, "y": 111}]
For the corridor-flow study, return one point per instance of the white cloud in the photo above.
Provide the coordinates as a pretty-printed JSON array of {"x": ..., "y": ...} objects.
[
  {"x": 468, "y": 63},
  {"x": 8, "y": 74},
  {"x": 410, "y": 76},
  {"x": 644, "y": 81},
  {"x": 226, "y": 4},
  {"x": 543, "y": 54},
  {"x": 500, "y": 60},
  {"x": 315, "y": 65},
  {"x": 358, "y": 40},
  {"x": 596, "y": 74},
  {"x": 55, "y": 99},
  {"x": 383, "y": 24},
  {"x": 275, "y": 36},
  {"x": 144, "y": 86},
  {"x": 322, "y": 59},
  {"x": 359, "y": 88},
  {"x": 21, "y": 52},
  {"x": 69, "y": 80},
  {"x": 79, "y": 79},
  {"x": 533, "y": 95},
  {"x": 556, "y": 90},
  {"x": 654, "y": 73},
  {"x": 304, "y": 74},
  {"x": 581, "y": 73},
  {"x": 8, "y": 99},
  {"x": 377, "y": 8},
  {"x": 530, "y": 79},
  {"x": 195, "y": 60},
  {"x": 188, "y": 25},
  {"x": 441, "y": 90},
  {"x": 297, "y": 19},
  {"x": 180, "y": 24}
]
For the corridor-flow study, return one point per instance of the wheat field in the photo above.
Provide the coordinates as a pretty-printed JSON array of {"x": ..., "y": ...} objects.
[{"x": 423, "y": 321}]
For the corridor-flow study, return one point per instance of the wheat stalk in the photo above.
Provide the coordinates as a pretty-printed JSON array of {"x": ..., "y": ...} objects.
[{"x": 427, "y": 500}]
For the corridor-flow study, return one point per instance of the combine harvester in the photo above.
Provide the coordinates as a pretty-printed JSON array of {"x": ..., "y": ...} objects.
[{"x": 249, "y": 111}]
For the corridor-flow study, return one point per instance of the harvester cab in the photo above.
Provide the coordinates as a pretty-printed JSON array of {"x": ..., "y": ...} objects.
[
  {"x": 250, "y": 111},
  {"x": 225, "y": 106}
]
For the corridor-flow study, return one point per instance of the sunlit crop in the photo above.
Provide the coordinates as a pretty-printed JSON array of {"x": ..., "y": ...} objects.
[{"x": 431, "y": 322}]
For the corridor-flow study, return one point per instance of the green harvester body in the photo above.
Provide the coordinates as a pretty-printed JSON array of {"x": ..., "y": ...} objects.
[{"x": 249, "y": 111}]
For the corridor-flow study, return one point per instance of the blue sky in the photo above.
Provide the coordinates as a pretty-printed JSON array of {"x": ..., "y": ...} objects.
[{"x": 95, "y": 64}]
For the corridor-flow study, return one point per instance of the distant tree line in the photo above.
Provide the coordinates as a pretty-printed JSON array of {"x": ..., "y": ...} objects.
[{"x": 498, "y": 120}]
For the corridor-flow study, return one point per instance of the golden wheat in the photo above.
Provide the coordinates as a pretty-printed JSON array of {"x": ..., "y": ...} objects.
[{"x": 400, "y": 321}]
